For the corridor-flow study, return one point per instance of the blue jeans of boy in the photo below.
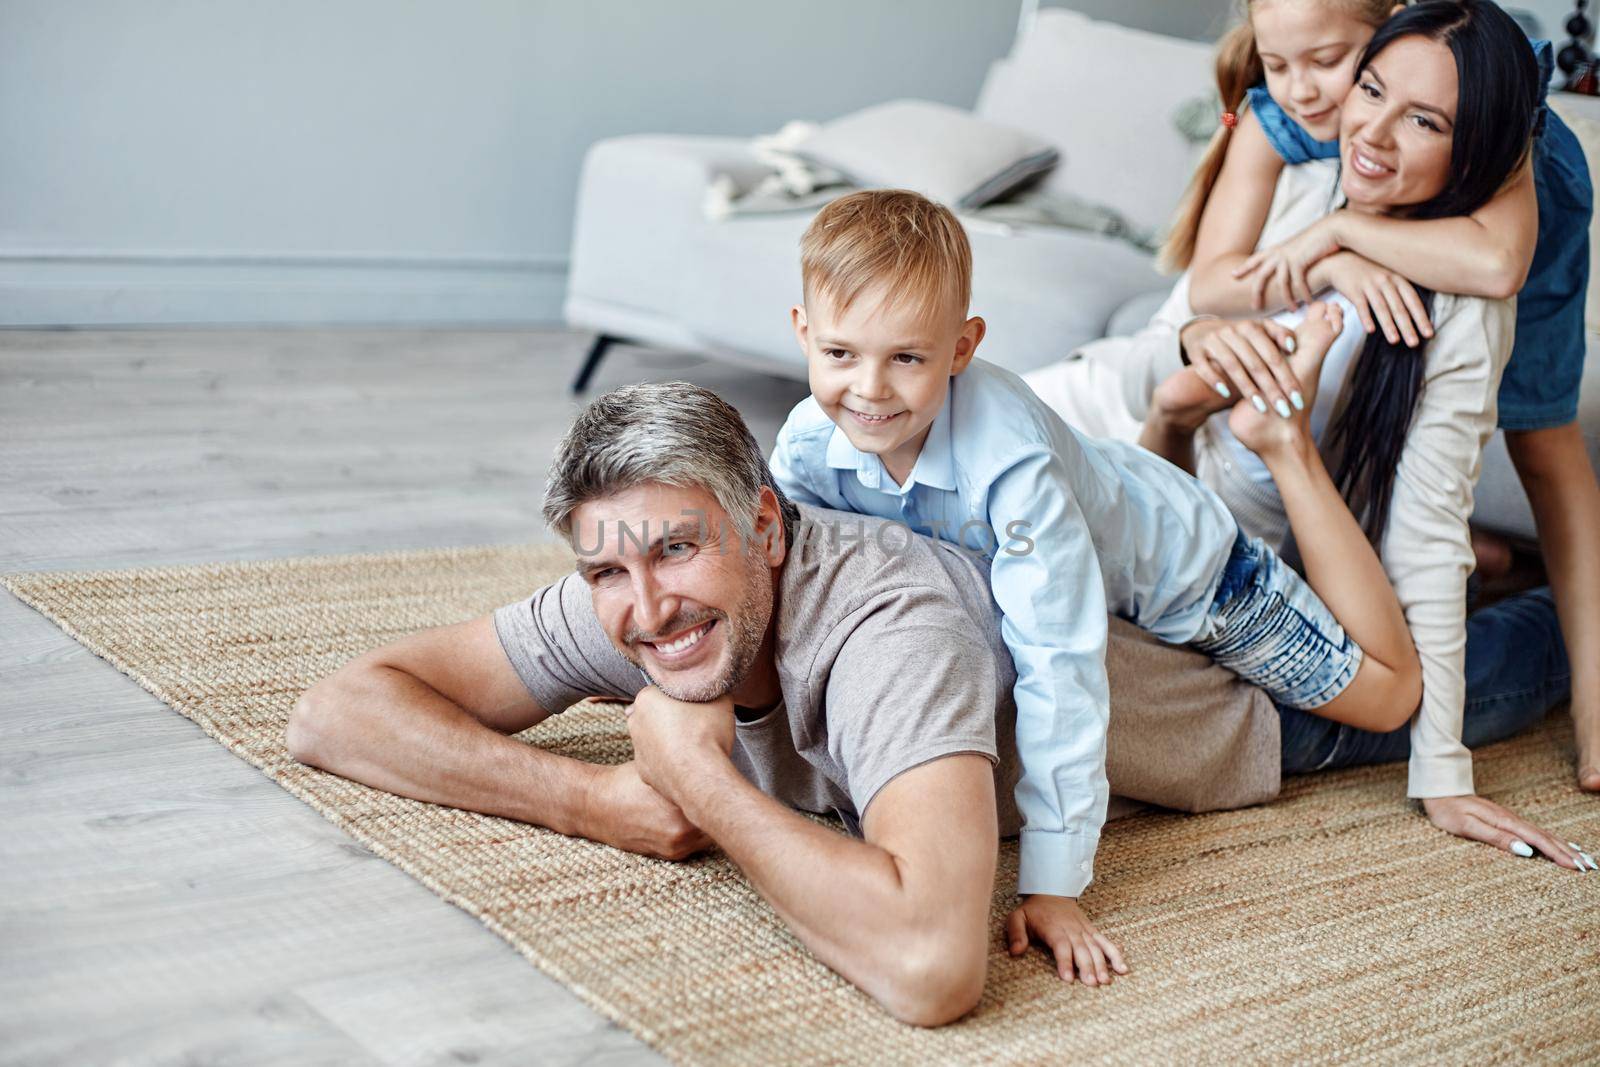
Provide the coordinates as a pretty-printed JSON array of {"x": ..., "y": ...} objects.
[
  {"x": 1269, "y": 627},
  {"x": 1516, "y": 671}
]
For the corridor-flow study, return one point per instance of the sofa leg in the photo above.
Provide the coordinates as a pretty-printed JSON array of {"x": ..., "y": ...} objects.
[{"x": 591, "y": 362}]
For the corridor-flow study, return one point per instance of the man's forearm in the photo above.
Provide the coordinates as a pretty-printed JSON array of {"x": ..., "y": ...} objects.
[
  {"x": 835, "y": 892},
  {"x": 848, "y": 900},
  {"x": 386, "y": 729}
]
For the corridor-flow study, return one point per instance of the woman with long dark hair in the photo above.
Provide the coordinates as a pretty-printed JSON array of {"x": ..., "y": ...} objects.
[{"x": 1439, "y": 120}]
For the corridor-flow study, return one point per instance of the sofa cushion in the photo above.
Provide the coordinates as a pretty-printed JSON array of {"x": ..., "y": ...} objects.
[
  {"x": 639, "y": 202},
  {"x": 943, "y": 152},
  {"x": 1104, "y": 95}
]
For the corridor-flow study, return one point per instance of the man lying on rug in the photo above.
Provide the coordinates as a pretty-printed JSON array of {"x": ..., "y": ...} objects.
[{"x": 840, "y": 665}]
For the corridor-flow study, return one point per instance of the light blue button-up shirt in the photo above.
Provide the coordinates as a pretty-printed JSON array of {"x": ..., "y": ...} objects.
[{"x": 1073, "y": 527}]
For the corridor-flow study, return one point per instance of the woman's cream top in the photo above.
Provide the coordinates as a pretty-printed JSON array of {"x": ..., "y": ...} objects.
[{"x": 1104, "y": 388}]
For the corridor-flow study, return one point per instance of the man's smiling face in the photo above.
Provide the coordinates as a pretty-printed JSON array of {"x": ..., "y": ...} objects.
[{"x": 676, "y": 590}]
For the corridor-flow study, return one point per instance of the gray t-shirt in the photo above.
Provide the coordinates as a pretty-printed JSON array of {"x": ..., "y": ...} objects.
[{"x": 888, "y": 654}]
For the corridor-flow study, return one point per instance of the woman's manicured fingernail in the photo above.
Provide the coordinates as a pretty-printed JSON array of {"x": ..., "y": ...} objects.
[
  {"x": 1522, "y": 849},
  {"x": 1261, "y": 405},
  {"x": 1297, "y": 400},
  {"x": 1289, "y": 344},
  {"x": 1223, "y": 389},
  {"x": 1282, "y": 408}
]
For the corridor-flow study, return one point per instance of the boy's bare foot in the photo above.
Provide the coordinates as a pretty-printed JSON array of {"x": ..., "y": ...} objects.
[{"x": 1185, "y": 400}]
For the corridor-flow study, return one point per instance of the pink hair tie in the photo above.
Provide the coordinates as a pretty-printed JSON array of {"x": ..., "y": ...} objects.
[{"x": 1229, "y": 119}]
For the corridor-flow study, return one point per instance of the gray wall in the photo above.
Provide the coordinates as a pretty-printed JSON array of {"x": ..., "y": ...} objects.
[
  {"x": 233, "y": 161},
  {"x": 226, "y": 161}
]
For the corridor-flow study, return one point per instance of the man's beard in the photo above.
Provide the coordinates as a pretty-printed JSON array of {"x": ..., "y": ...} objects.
[{"x": 747, "y": 627}]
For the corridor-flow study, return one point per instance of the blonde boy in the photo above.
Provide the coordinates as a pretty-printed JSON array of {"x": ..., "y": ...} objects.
[{"x": 903, "y": 423}]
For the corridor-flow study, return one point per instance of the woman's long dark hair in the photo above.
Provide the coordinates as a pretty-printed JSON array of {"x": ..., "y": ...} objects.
[{"x": 1497, "y": 101}]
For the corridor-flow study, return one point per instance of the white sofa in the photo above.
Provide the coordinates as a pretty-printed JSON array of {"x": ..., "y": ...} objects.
[{"x": 649, "y": 267}]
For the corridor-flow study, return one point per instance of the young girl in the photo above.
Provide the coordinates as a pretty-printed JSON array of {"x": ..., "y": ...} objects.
[{"x": 1293, "y": 60}]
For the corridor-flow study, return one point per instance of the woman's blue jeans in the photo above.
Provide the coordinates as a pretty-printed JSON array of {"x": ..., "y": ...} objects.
[{"x": 1516, "y": 671}]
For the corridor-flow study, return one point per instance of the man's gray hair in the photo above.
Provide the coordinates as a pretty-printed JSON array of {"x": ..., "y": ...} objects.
[{"x": 672, "y": 433}]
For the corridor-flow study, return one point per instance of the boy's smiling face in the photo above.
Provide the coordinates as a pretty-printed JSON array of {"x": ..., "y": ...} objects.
[{"x": 880, "y": 367}]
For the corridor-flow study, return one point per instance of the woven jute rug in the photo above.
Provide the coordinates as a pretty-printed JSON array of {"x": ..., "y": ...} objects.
[{"x": 1333, "y": 925}]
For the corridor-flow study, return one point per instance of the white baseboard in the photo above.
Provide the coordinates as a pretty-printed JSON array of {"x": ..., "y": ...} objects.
[{"x": 149, "y": 289}]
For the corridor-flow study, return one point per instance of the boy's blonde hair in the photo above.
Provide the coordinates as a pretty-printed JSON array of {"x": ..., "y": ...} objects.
[{"x": 888, "y": 236}]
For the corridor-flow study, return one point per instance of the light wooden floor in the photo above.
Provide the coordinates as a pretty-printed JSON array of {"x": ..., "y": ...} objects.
[{"x": 160, "y": 900}]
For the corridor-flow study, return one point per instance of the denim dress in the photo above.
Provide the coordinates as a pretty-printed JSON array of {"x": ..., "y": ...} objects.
[{"x": 1540, "y": 386}]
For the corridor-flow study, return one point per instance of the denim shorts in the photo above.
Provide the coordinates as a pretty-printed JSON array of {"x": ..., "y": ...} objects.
[{"x": 1268, "y": 627}]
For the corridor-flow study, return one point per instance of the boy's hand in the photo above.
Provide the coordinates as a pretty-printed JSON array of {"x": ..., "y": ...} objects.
[{"x": 1059, "y": 924}]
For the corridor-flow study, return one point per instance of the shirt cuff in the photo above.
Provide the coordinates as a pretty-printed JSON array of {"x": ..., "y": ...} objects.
[
  {"x": 1056, "y": 862},
  {"x": 1441, "y": 776}
]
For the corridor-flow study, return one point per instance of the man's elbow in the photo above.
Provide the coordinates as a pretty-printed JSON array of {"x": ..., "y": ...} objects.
[
  {"x": 934, "y": 985},
  {"x": 313, "y": 725}
]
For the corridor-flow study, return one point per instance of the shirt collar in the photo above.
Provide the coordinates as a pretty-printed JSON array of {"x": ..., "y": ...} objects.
[{"x": 935, "y": 466}]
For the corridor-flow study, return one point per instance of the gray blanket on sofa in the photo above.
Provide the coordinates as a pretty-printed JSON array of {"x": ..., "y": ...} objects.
[{"x": 794, "y": 183}]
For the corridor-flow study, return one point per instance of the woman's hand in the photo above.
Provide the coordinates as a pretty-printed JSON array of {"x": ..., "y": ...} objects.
[
  {"x": 1059, "y": 924},
  {"x": 1244, "y": 359},
  {"x": 1382, "y": 297},
  {"x": 1281, "y": 273},
  {"x": 1477, "y": 819},
  {"x": 1264, "y": 433}
]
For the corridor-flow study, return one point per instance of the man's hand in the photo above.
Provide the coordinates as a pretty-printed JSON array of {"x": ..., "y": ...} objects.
[
  {"x": 1059, "y": 924},
  {"x": 1477, "y": 819},
  {"x": 625, "y": 813},
  {"x": 673, "y": 737}
]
